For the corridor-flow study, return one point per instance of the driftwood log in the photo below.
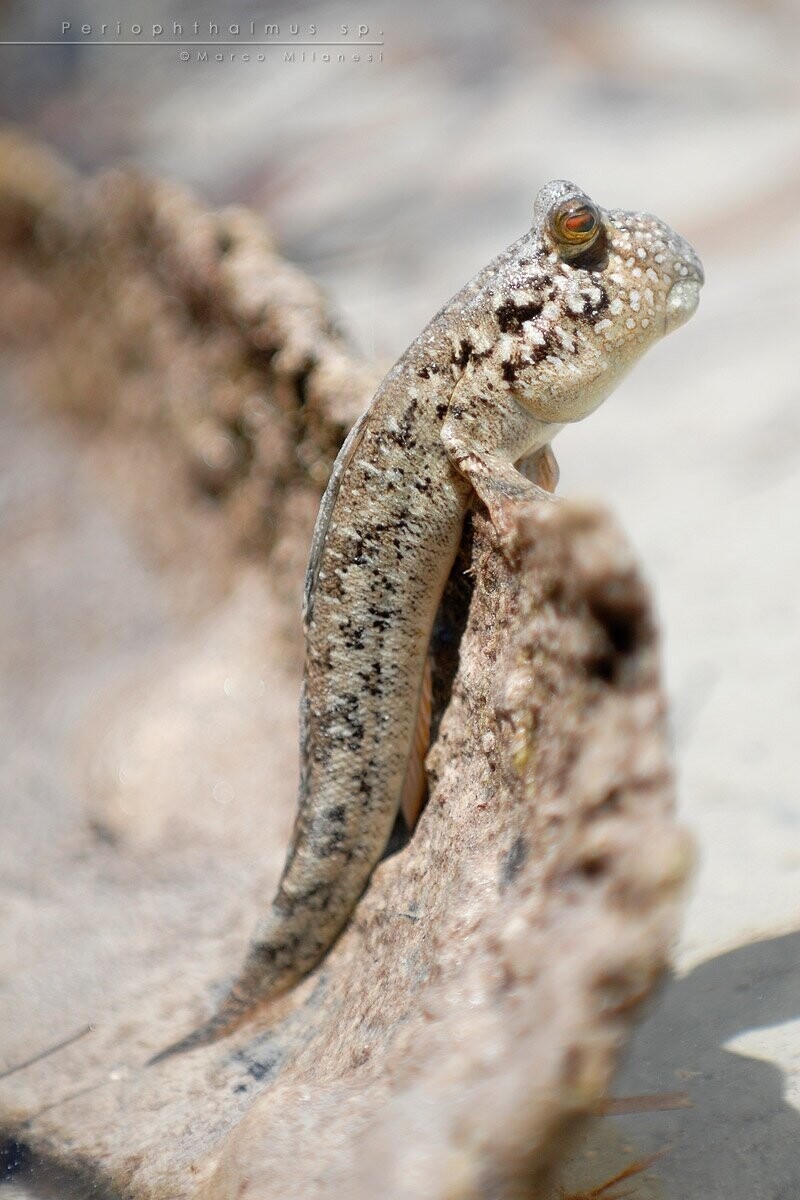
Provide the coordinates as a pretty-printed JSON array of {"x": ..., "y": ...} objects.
[{"x": 466, "y": 1027}]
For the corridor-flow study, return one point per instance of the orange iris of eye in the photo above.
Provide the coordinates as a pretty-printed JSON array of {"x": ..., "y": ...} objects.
[{"x": 580, "y": 222}]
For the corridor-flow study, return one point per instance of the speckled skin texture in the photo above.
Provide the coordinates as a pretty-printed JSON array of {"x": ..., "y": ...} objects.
[{"x": 537, "y": 340}]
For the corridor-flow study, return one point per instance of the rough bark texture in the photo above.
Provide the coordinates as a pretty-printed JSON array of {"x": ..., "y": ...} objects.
[{"x": 467, "y": 1024}]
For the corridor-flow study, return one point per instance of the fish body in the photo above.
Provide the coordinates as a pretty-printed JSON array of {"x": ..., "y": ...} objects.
[{"x": 536, "y": 341}]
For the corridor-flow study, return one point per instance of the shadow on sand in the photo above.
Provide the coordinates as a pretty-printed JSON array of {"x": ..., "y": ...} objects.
[{"x": 741, "y": 1139}]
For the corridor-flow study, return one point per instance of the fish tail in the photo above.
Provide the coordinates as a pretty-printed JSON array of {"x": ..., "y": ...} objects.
[
  {"x": 258, "y": 982},
  {"x": 231, "y": 1014}
]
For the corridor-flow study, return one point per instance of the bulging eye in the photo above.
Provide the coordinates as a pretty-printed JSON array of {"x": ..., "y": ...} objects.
[{"x": 575, "y": 224}]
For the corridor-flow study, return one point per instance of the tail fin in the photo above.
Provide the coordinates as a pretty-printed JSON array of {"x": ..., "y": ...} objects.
[
  {"x": 269, "y": 969},
  {"x": 232, "y": 1012}
]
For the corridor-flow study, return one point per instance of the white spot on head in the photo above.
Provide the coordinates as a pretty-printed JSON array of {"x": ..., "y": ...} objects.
[{"x": 630, "y": 323}]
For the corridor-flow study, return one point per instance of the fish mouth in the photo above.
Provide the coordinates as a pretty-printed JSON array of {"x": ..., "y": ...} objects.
[{"x": 682, "y": 300}]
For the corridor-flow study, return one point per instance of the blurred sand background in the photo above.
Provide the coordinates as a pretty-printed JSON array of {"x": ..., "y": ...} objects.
[{"x": 391, "y": 183}]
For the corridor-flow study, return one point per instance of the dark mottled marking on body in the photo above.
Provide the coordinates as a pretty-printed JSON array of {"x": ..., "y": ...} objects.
[
  {"x": 461, "y": 356},
  {"x": 511, "y": 316}
]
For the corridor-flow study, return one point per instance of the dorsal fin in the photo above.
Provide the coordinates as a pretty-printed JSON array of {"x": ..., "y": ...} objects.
[{"x": 349, "y": 447}]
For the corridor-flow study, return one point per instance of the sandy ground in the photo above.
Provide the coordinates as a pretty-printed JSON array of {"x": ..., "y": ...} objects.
[{"x": 392, "y": 184}]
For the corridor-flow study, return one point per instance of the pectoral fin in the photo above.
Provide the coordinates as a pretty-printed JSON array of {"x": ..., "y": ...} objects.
[{"x": 542, "y": 468}]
